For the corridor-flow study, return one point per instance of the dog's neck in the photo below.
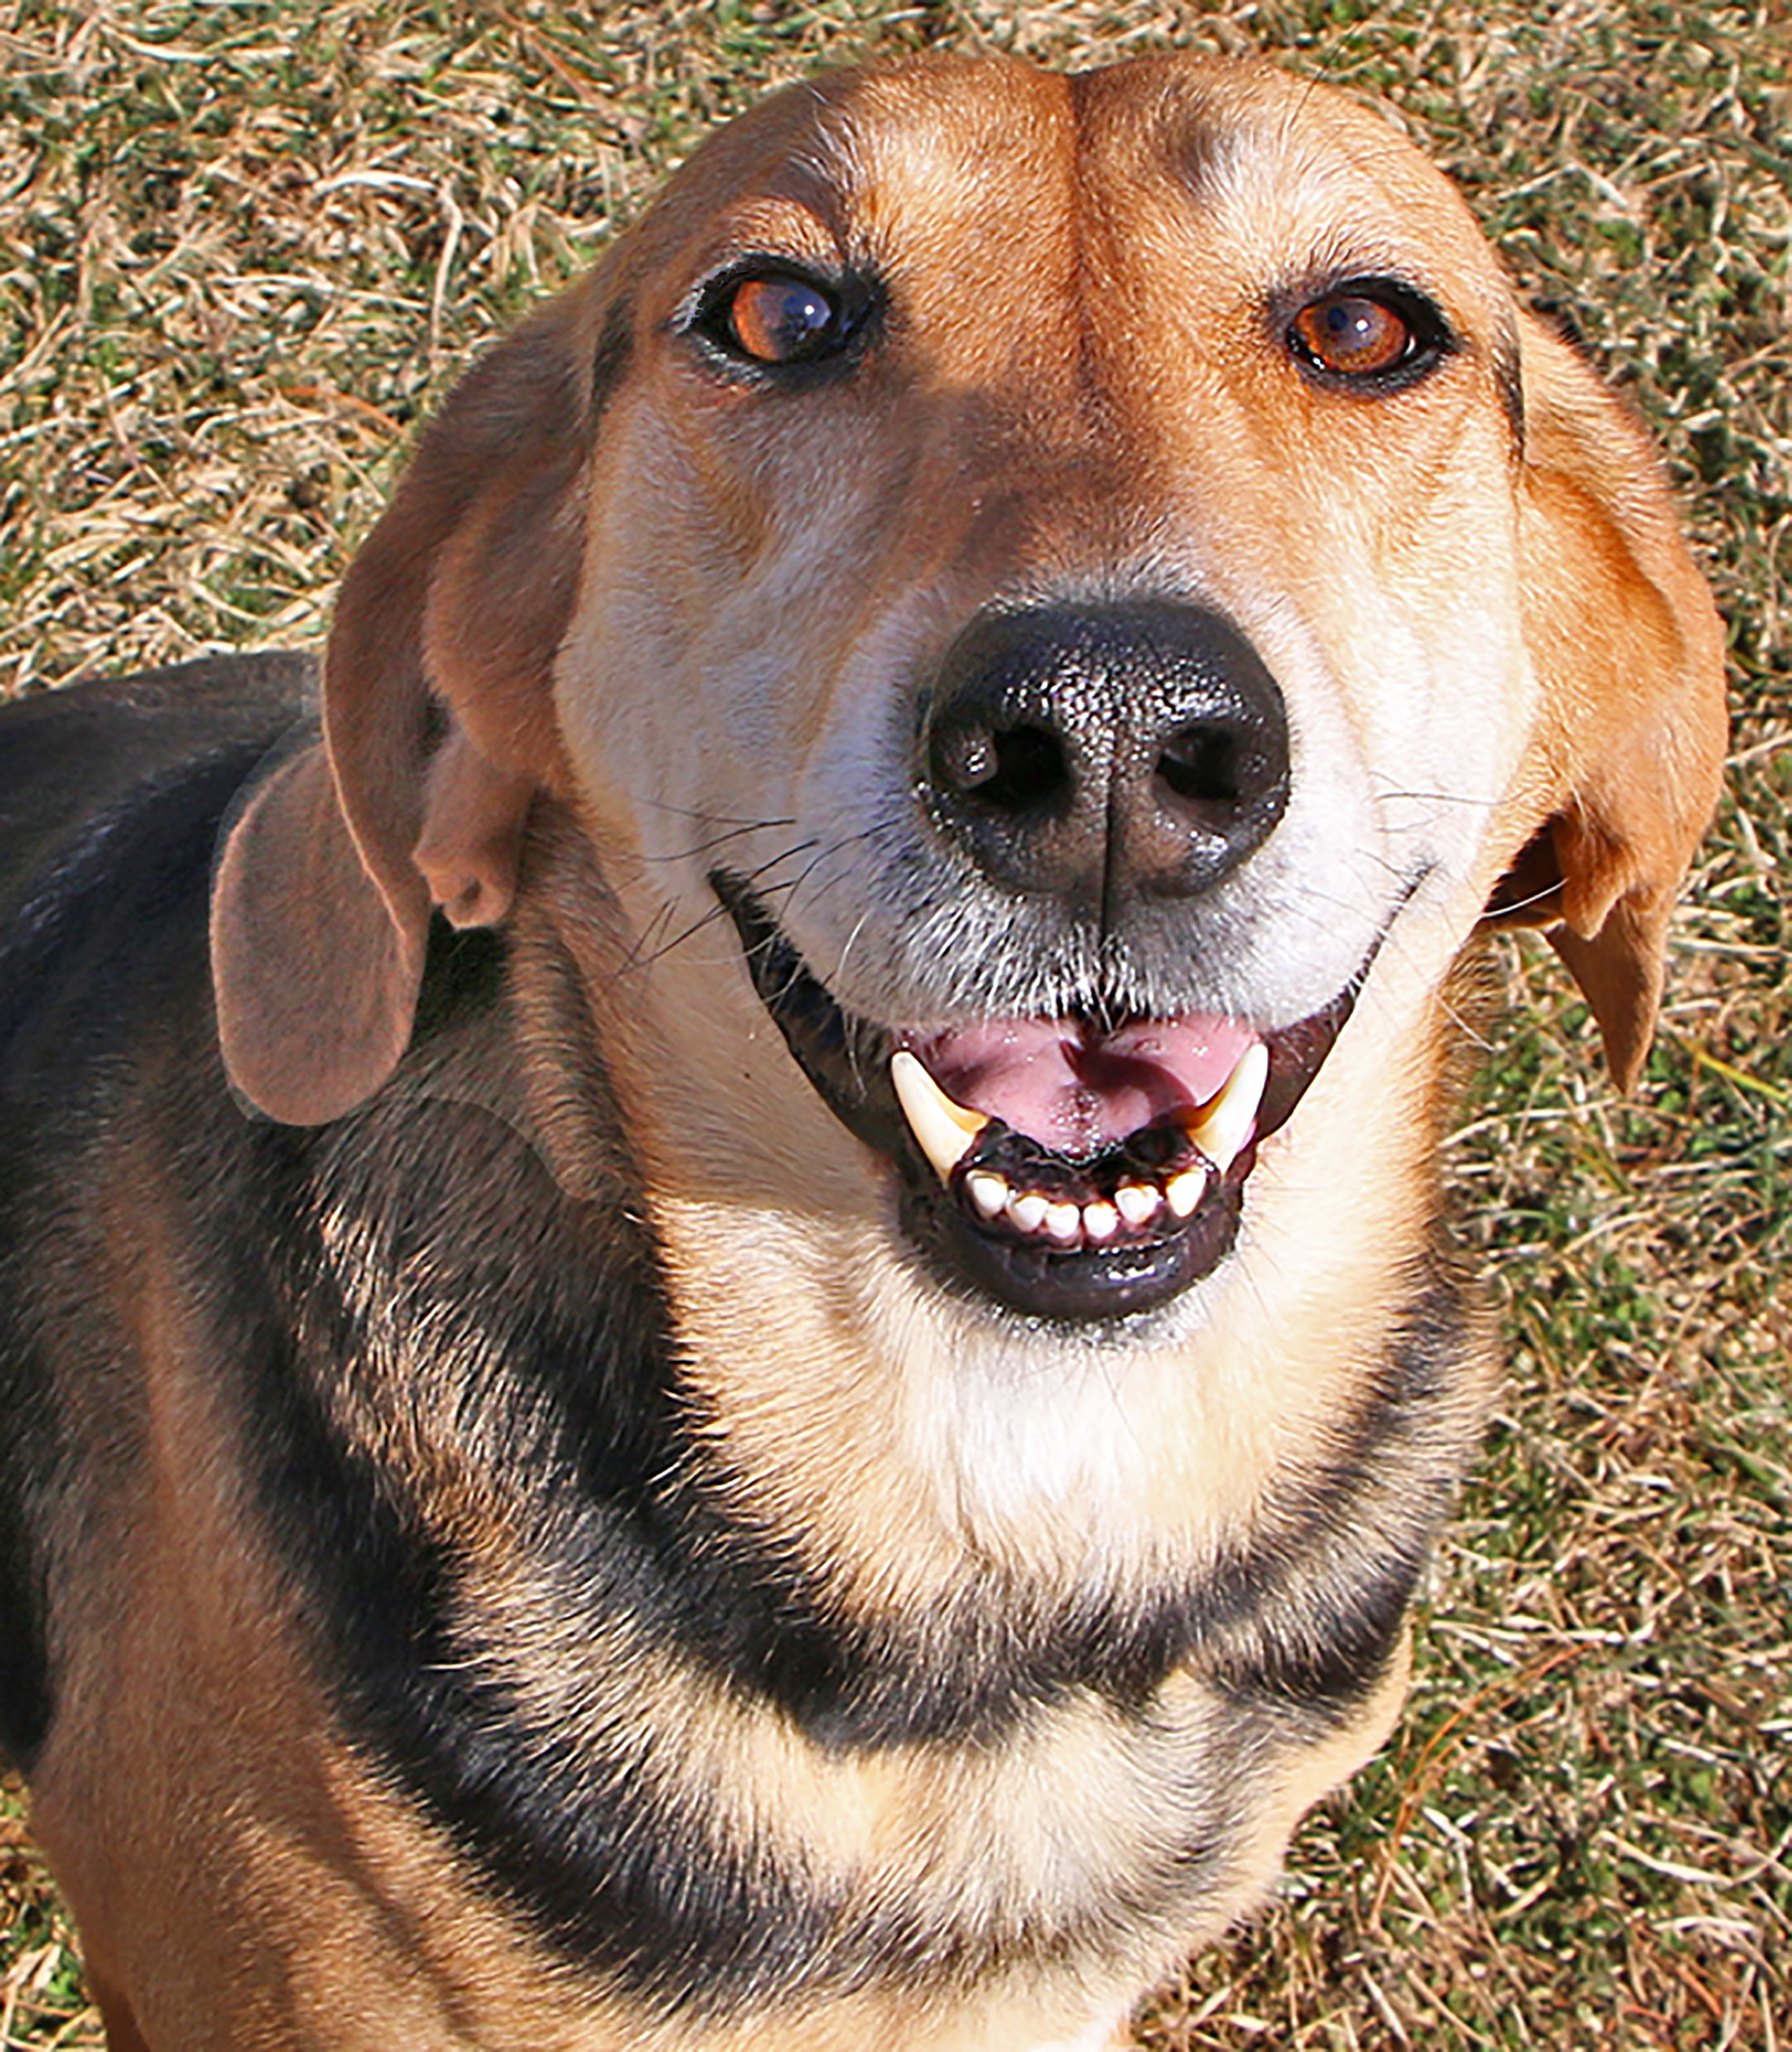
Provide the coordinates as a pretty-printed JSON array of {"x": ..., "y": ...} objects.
[{"x": 1021, "y": 1494}]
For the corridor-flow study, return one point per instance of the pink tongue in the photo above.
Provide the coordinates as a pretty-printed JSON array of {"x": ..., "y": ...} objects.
[{"x": 1077, "y": 1091}]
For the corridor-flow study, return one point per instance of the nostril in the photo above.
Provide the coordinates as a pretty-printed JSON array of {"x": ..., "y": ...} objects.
[
  {"x": 1202, "y": 765},
  {"x": 1015, "y": 770}
]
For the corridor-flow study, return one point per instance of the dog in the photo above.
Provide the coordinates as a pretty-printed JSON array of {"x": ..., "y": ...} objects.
[{"x": 727, "y": 1320}]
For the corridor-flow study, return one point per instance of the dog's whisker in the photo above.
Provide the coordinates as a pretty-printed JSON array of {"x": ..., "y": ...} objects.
[
  {"x": 1398, "y": 793},
  {"x": 1466, "y": 1026},
  {"x": 661, "y": 948},
  {"x": 760, "y": 877},
  {"x": 761, "y": 872},
  {"x": 642, "y": 949},
  {"x": 820, "y": 855},
  {"x": 725, "y": 836},
  {"x": 857, "y": 927},
  {"x": 1509, "y": 906},
  {"x": 707, "y": 818}
]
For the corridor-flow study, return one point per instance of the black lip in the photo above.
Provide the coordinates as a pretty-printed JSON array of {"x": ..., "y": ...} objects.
[{"x": 846, "y": 1059}]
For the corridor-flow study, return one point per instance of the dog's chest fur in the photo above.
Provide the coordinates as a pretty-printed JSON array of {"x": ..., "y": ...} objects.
[{"x": 516, "y": 1552}]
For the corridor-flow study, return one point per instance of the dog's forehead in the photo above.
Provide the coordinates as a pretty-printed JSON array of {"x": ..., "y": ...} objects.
[
  {"x": 888, "y": 166},
  {"x": 1178, "y": 156}
]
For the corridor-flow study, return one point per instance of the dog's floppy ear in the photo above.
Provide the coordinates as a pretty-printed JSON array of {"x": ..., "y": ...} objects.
[
  {"x": 438, "y": 730},
  {"x": 1629, "y": 657}
]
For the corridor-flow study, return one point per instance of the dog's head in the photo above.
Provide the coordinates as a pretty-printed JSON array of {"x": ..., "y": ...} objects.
[{"x": 1072, "y": 597}]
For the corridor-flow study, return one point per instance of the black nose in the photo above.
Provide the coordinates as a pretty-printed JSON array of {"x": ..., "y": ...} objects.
[{"x": 1105, "y": 753}]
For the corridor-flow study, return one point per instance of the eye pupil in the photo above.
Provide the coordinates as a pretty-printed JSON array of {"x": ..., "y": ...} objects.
[{"x": 780, "y": 319}]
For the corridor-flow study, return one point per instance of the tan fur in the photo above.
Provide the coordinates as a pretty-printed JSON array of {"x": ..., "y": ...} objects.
[{"x": 621, "y": 611}]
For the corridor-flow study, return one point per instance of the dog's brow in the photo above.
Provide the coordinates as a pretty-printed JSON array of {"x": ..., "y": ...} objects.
[
  {"x": 1509, "y": 378},
  {"x": 610, "y": 358}
]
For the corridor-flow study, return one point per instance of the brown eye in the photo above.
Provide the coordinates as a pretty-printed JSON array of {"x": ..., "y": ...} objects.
[
  {"x": 777, "y": 319},
  {"x": 1352, "y": 335}
]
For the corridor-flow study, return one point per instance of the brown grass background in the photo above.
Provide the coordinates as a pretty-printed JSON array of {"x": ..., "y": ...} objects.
[{"x": 244, "y": 247}]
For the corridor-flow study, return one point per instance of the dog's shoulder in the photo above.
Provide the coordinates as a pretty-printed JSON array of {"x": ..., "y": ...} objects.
[
  {"x": 79, "y": 765},
  {"x": 111, "y": 794},
  {"x": 162, "y": 1244}
]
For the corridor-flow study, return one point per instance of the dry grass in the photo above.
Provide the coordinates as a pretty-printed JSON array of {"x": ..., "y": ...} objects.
[{"x": 243, "y": 248}]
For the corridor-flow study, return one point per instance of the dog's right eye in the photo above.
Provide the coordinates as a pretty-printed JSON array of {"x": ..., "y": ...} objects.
[{"x": 775, "y": 318}]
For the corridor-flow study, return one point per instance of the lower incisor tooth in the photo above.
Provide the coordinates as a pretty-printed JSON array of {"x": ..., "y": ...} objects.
[
  {"x": 1099, "y": 1221},
  {"x": 1184, "y": 1192},
  {"x": 1136, "y": 1201},
  {"x": 1029, "y": 1212},
  {"x": 1063, "y": 1221},
  {"x": 989, "y": 1192}
]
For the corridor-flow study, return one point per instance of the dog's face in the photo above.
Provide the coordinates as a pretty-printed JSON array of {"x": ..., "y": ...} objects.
[
  {"x": 1066, "y": 603},
  {"x": 1058, "y": 606}
]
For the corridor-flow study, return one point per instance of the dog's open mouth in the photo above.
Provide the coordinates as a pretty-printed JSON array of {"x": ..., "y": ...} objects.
[{"x": 1069, "y": 1170}]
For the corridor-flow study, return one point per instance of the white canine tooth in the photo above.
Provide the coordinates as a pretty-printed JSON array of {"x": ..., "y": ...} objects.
[
  {"x": 1222, "y": 1125},
  {"x": 1184, "y": 1192},
  {"x": 1063, "y": 1221},
  {"x": 945, "y": 1129},
  {"x": 1137, "y": 1201},
  {"x": 1029, "y": 1212},
  {"x": 1099, "y": 1221},
  {"x": 989, "y": 1192}
]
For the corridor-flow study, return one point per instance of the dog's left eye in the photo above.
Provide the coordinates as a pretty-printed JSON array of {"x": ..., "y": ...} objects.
[
  {"x": 776, "y": 318},
  {"x": 1362, "y": 336}
]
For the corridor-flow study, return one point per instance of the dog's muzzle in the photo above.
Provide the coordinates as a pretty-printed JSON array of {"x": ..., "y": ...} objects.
[{"x": 1092, "y": 1167}]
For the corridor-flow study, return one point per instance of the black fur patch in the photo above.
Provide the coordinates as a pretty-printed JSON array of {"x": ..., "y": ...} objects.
[{"x": 107, "y": 819}]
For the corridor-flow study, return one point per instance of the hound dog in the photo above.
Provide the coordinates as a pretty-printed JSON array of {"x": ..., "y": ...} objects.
[{"x": 755, "y": 1346}]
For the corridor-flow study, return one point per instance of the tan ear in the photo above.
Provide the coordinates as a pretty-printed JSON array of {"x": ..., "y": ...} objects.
[
  {"x": 314, "y": 976},
  {"x": 1628, "y": 653},
  {"x": 438, "y": 730}
]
